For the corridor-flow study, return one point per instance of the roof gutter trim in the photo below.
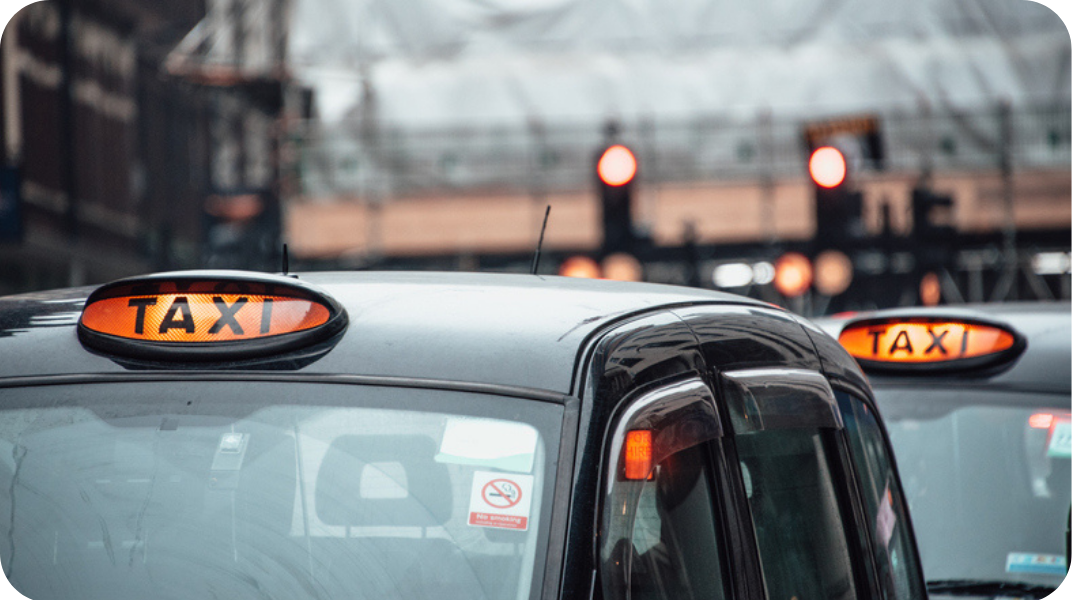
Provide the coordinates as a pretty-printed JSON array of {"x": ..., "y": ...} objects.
[{"x": 368, "y": 380}]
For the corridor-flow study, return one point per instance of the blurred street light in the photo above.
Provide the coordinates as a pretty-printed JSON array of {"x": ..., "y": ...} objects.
[
  {"x": 579, "y": 266},
  {"x": 930, "y": 289},
  {"x": 792, "y": 274},
  {"x": 833, "y": 272},
  {"x": 622, "y": 267}
]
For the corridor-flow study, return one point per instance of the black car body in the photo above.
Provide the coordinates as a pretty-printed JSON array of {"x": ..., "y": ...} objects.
[{"x": 446, "y": 436}]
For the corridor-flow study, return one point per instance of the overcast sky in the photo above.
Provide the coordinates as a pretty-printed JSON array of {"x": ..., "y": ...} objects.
[{"x": 447, "y": 62}]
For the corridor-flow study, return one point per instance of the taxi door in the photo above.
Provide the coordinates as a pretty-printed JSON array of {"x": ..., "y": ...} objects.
[{"x": 744, "y": 483}]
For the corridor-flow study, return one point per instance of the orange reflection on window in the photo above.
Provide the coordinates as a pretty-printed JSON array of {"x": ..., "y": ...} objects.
[
  {"x": 1040, "y": 420},
  {"x": 924, "y": 341}
]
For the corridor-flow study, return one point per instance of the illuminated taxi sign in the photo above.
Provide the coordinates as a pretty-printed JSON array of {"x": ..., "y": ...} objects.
[
  {"x": 927, "y": 343},
  {"x": 207, "y": 315}
]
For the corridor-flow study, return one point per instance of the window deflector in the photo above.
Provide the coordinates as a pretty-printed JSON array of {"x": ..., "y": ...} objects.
[
  {"x": 680, "y": 416},
  {"x": 767, "y": 399}
]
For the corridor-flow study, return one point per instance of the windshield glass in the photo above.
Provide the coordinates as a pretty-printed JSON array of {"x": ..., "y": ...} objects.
[
  {"x": 986, "y": 475},
  {"x": 280, "y": 490}
]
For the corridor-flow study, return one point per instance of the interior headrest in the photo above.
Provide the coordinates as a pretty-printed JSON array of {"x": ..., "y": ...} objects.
[{"x": 424, "y": 495}]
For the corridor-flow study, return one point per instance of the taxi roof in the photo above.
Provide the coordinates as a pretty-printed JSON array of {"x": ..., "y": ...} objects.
[
  {"x": 1045, "y": 365},
  {"x": 503, "y": 329}
]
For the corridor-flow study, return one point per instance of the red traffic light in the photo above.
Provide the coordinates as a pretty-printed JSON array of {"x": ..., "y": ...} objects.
[
  {"x": 617, "y": 166},
  {"x": 827, "y": 167}
]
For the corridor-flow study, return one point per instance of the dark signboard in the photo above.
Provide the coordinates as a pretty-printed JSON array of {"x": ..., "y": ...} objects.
[{"x": 862, "y": 131}]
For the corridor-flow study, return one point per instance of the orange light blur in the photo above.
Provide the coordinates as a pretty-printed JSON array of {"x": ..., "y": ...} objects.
[
  {"x": 638, "y": 454},
  {"x": 238, "y": 207},
  {"x": 930, "y": 289},
  {"x": 833, "y": 272},
  {"x": 1040, "y": 420},
  {"x": 185, "y": 317},
  {"x": 617, "y": 166},
  {"x": 579, "y": 266},
  {"x": 924, "y": 342},
  {"x": 827, "y": 167},
  {"x": 792, "y": 274},
  {"x": 622, "y": 267}
]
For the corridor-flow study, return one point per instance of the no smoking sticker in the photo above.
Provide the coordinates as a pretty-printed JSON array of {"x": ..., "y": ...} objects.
[{"x": 500, "y": 500}]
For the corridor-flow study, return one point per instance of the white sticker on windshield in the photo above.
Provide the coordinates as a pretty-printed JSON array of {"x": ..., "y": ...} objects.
[
  {"x": 500, "y": 500},
  {"x": 488, "y": 443},
  {"x": 1027, "y": 562},
  {"x": 1061, "y": 440}
]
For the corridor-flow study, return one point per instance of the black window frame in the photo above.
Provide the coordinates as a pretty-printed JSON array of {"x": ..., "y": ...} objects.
[{"x": 761, "y": 392}]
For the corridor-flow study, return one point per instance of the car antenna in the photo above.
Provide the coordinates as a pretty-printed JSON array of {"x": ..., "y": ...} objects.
[
  {"x": 286, "y": 261},
  {"x": 539, "y": 244}
]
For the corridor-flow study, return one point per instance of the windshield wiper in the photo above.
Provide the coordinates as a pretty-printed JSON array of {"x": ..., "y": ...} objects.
[{"x": 969, "y": 587}]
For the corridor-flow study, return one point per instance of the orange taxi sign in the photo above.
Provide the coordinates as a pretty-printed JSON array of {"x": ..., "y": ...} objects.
[
  {"x": 193, "y": 315},
  {"x": 928, "y": 343}
]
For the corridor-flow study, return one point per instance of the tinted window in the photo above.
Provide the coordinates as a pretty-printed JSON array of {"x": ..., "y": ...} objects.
[
  {"x": 894, "y": 556},
  {"x": 794, "y": 498},
  {"x": 662, "y": 541},
  {"x": 254, "y": 490}
]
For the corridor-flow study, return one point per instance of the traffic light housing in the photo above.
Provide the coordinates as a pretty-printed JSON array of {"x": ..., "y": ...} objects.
[
  {"x": 616, "y": 168},
  {"x": 838, "y": 208}
]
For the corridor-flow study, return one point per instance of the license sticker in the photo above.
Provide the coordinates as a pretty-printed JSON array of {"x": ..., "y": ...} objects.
[
  {"x": 1061, "y": 440},
  {"x": 1026, "y": 562},
  {"x": 500, "y": 500},
  {"x": 488, "y": 443}
]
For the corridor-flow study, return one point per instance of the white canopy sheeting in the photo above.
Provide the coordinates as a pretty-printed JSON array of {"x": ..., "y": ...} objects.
[{"x": 445, "y": 63}]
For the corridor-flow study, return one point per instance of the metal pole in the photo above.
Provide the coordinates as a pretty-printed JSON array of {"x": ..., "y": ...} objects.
[
  {"x": 1006, "y": 287},
  {"x": 766, "y": 145},
  {"x": 76, "y": 270},
  {"x": 648, "y": 194}
]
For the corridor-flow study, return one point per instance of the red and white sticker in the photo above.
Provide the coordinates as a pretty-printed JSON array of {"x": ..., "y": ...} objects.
[{"x": 500, "y": 500}]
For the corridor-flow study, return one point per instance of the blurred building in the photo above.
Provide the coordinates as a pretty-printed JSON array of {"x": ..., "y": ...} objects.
[
  {"x": 75, "y": 77},
  {"x": 736, "y": 189},
  {"x": 138, "y": 136}
]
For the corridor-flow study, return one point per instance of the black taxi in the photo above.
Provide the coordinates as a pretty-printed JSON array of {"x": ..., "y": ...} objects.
[
  {"x": 977, "y": 400},
  {"x": 215, "y": 434}
]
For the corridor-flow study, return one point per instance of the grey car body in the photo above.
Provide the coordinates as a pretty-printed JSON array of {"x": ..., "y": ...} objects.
[{"x": 989, "y": 491}]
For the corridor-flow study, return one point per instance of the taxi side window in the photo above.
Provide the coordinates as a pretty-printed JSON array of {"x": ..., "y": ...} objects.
[
  {"x": 671, "y": 550},
  {"x": 897, "y": 568},
  {"x": 785, "y": 424},
  {"x": 798, "y": 521},
  {"x": 660, "y": 536}
]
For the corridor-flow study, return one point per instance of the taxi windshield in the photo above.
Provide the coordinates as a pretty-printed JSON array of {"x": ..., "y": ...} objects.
[
  {"x": 986, "y": 475},
  {"x": 274, "y": 490}
]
